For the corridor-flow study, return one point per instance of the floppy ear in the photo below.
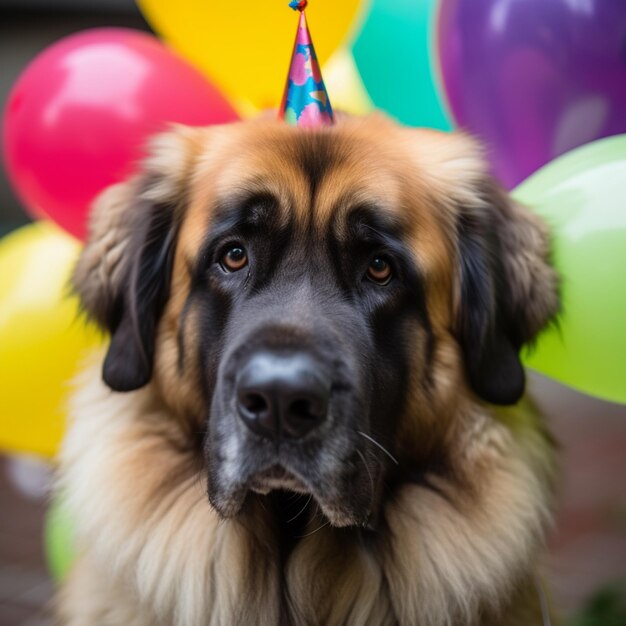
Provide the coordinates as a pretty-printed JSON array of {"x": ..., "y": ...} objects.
[
  {"x": 123, "y": 273},
  {"x": 508, "y": 291}
]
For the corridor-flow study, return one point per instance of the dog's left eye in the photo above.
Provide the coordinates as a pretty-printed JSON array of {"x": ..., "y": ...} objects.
[
  {"x": 234, "y": 258},
  {"x": 380, "y": 270}
]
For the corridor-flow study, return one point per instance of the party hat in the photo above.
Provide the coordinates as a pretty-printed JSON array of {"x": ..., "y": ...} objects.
[{"x": 305, "y": 100}]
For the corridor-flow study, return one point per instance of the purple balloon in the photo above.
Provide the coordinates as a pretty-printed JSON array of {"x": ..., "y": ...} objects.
[{"x": 534, "y": 78}]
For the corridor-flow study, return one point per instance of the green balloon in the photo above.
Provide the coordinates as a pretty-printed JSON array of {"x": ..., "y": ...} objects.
[
  {"x": 395, "y": 55},
  {"x": 58, "y": 540},
  {"x": 582, "y": 196}
]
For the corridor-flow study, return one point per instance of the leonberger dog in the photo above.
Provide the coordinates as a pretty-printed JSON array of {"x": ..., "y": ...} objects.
[{"x": 311, "y": 410}]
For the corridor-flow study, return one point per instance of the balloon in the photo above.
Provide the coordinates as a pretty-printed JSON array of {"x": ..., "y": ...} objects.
[
  {"x": 344, "y": 84},
  {"x": 246, "y": 48},
  {"x": 79, "y": 115},
  {"x": 59, "y": 540},
  {"x": 534, "y": 78},
  {"x": 42, "y": 338},
  {"x": 394, "y": 53},
  {"x": 581, "y": 195}
]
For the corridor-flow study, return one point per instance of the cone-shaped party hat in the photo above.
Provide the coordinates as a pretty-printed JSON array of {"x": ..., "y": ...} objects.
[{"x": 305, "y": 101}]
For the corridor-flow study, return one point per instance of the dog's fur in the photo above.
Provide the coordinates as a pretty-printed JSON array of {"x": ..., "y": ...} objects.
[{"x": 450, "y": 535}]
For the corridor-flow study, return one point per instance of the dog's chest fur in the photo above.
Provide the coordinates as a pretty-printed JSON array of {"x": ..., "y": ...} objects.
[{"x": 150, "y": 545}]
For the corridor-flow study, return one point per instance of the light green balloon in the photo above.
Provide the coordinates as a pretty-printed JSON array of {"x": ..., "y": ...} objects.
[
  {"x": 59, "y": 540},
  {"x": 582, "y": 196}
]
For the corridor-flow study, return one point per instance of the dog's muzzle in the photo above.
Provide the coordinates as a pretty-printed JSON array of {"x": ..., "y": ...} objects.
[{"x": 287, "y": 406}]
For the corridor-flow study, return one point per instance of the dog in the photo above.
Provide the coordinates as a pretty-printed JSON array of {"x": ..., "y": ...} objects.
[{"x": 312, "y": 408}]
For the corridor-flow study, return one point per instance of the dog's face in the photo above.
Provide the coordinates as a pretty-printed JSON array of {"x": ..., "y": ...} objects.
[{"x": 315, "y": 302}]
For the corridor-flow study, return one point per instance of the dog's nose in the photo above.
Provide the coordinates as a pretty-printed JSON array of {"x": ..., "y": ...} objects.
[{"x": 282, "y": 395}]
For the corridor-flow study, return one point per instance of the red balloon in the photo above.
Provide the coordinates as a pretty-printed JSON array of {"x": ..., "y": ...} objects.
[{"x": 78, "y": 117}]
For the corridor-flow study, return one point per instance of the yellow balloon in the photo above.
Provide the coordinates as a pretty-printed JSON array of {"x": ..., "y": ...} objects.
[
  {"x": 42, "y": 337},
  {"x": 245, "y": 47},
  {"x": 345, "y": 86}
]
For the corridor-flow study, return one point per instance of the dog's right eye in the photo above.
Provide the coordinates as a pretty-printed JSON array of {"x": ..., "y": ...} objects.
[
  {"x": 379, "y": 270},
  {"x": 234, "y": 258}
]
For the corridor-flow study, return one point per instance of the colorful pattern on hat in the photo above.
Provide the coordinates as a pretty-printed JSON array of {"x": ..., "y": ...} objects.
[{"x": 305, "y": 100}]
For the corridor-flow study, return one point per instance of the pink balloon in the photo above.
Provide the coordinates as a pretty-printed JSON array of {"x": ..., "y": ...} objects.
[{"x": 78, "y": 117}]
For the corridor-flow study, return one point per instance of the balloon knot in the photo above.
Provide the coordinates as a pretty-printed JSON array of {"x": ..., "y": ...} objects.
[{"x": 298, "y": 5}]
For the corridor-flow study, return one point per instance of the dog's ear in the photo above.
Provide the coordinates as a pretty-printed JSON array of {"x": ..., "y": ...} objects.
[
  {"x": 123, "y": 273},
  {"x": 508, "y": 291}
]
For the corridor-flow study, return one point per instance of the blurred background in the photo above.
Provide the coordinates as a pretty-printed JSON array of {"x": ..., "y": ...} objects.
[
  {"x": 586, "y": 561},
  {"x": 26, "y": 28}
]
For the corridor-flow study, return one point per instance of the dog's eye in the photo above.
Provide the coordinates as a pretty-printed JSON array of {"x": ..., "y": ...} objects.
[
  {"x": 235, "y": 258},
  {"x": 379, "y": 270}
]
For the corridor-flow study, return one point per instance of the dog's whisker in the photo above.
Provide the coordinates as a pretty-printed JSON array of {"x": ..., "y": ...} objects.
[
  {"x": 372, "y": 454},
  {"x": 379, "y": 445},
  {"x": 369, "y": 473},
  {"x": 326, "y": 523},
  {"x": 301, "y": 510},
  {"x": 293, "y": 496},
  {"x": 315, "y": 514},
  {"x": 260, "y": 502}
]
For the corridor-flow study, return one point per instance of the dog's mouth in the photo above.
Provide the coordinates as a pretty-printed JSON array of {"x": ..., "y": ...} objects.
[
  {"x": 347, "y": 503},
  {"x": 274, "y": 478}
]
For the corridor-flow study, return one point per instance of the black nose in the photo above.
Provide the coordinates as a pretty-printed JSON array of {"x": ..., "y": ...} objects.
[{"x": 282, "y": 395}]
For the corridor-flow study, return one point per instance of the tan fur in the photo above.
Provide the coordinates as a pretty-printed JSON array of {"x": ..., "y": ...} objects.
[{"x": 152, "y": 550}]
